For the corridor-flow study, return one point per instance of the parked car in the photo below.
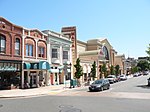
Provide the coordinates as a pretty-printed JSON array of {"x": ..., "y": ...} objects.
[
  {"x": 99, "y": 85},
  {"x": 123, "y": 77},
  {"x": 112, "y": 78},
  {"x": 145, "y": 73},
  {"x": 135, "y": 75},
  {"x": 148, "y": 81}
]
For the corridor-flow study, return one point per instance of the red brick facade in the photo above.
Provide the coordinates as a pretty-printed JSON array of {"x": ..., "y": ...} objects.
[
  {"x": 10, "y": 32},
  {"x": 33, "y": 37}
]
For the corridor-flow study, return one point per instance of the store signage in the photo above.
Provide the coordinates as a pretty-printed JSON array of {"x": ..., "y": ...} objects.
[{"x": 8, "y": 68}]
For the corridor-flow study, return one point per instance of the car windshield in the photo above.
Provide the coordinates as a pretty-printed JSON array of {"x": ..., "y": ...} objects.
[
  {"x": 98, "y": 82},
  {"x": 122, "y": 76},
  {"x": 110, "y": 76}
]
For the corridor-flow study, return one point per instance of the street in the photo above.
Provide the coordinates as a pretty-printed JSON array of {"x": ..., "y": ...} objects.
[{"x": 131, "y": 95}]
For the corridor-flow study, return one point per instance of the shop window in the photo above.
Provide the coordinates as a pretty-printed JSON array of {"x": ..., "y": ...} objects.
[
  {"x": 2, "y": 44},
  {"x": 65, "y": 54},
  {"x": 41, "y": 52},
  {"x": 68, "y": 76},
  {"x": 29, "y": 50},
  {"x": 54, "y": 53},
  {"x": 17, "y": 46}
]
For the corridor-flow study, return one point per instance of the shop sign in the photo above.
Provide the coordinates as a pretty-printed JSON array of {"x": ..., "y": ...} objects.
[{"x": 8, "y": 68}]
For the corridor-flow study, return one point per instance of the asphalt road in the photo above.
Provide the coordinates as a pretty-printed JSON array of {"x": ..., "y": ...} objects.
[{"x": 127, "y": 96}]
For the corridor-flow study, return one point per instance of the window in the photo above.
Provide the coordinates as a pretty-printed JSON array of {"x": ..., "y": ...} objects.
[
  {"x": 2, "y": 44},
  {"x": 41, "y": 51},
  {"x": 54, "y": 53},
  {"x": 29, "y": 50},
  {"x": 17, "y": 46},
  {"x": 65, "y": 54},
  {"x": 105, "y": 51}
]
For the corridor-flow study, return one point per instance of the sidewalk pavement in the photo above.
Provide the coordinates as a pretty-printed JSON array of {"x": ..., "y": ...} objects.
[{"x": 53, "y": 89}]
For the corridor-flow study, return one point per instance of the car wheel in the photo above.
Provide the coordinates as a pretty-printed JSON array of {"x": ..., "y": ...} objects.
[
  {"x": 108, "y": 87},
  {"x": 102, "y": 88}
]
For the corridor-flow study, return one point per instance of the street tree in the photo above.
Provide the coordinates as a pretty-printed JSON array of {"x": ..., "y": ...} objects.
[
  {"x": 148, "y": 52},
  {"x": 143, "y": 65},
  {"x": 100, "y": 71},
  {"x": 112, "y": 70},
  {"x": 93, "y": 70},
  {"x": 117, "y": 67},
  {"x": 79, "y": 71},
  {"x": 104, "y": 69},
  {"x": 134, "y": 69}
]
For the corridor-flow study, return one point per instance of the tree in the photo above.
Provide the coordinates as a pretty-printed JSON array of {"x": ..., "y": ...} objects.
[
  {"x": 93, "y": 70},
  {"x": 134, "y": 69},
  {"x": 79, "y": 71},
  {"x": 112, "y": 71},
  {"x": 148, "y": 52},
  {"x": 117, "y": 67},
  {"x": 100, "y": 71},
  {"x": 104, "y": 69},
  {"x": 143, "y": 65}
]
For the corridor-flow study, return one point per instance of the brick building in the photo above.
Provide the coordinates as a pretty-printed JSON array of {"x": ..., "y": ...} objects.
[{"x": 10, "y": 54}]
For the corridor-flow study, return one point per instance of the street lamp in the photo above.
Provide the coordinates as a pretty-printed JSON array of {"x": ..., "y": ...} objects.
[
  {"x": 70, "y": 74},
  {"x": 67, "y": 66}
]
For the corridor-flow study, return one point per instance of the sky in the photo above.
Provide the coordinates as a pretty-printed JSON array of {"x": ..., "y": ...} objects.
[{"x": 125, "y": 23}]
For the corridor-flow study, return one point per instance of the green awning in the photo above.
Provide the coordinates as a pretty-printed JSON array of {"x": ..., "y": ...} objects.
[
  {"x": 54, "y": 70},
  {"x": 44, "y": 65},
  {"x": 27, "y": 65},
  {"x": 61, "y": 67}
]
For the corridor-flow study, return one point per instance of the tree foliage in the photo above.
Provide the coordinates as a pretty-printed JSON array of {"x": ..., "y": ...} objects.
[
  {"x": 148, "y": 51},
  {"x": 143, "y": 65},
  {"x": 112, "y": 70},
  {"x": 93, "y": 70},
  {"x": 134, "y": 69},
  {"x": 104, "y": 69},
  {"x": 79, "y": 70},
  {"x": 117, "y": 67}
]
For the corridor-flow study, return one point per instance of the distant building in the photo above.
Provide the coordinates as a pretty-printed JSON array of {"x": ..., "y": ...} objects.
[{"x": 129, "y": 63}]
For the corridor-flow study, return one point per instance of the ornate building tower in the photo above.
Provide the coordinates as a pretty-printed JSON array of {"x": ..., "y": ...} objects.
[{"x": 70, "y": 32}]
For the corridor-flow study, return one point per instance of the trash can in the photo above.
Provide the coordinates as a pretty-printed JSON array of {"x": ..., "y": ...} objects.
[
  {"x": 73, "y": 83},
  {"x": 148, "y": 81}
]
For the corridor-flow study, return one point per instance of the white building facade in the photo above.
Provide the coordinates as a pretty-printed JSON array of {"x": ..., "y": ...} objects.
[{"x": 59, "y": 55}]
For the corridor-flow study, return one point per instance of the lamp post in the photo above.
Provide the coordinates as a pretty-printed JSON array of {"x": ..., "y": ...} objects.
[{"x": 70, "y": 74}]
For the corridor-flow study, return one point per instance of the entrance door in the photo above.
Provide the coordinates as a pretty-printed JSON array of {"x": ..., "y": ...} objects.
[{"x": 33, "y": 82}]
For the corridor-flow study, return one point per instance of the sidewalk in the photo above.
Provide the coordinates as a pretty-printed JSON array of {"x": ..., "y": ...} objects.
[{"x": 32, "y": 92}]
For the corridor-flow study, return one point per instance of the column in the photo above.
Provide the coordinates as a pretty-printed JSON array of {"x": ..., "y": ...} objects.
[
  {"x": 61, "y": 54},
  {"x": 28, "y": 76},
  {"x": 36, "y": 48},
  {"x": 22, "y": 79},
  {"x": 58, "y": 78},
  {"x": 37, "y": 78}
]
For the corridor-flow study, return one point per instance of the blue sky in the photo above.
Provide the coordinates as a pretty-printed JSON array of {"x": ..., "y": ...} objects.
[{"x": 125, "y": 23}]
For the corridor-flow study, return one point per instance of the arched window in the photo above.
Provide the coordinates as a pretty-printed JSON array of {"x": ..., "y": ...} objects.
[
  {"x": 2, "y": 44},
  {"x": 17, "y": 46},
  {"x": 105, "y": 51}
]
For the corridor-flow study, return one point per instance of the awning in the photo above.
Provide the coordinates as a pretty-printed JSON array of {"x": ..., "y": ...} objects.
[
  {"x": 54, "y": 70},
  {"x": 27, "y": 65},
  {"x": 44, "y": 65},
  {"x": 61, "y": 67}
]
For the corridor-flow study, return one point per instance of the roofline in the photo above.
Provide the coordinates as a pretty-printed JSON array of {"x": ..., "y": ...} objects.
[{"x": 11, "y": 22}]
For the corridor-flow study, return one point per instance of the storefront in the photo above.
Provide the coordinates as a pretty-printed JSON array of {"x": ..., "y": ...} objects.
[
  {"x": 35, "y": 74},
  {"x": 10, "y": 74}
]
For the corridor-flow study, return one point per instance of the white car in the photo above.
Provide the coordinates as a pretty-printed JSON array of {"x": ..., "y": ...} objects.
[{"x": 123, "y": 77}]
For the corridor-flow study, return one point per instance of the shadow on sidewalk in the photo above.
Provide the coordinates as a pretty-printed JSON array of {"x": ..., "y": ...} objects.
[{"x": 144, "y": 86}]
